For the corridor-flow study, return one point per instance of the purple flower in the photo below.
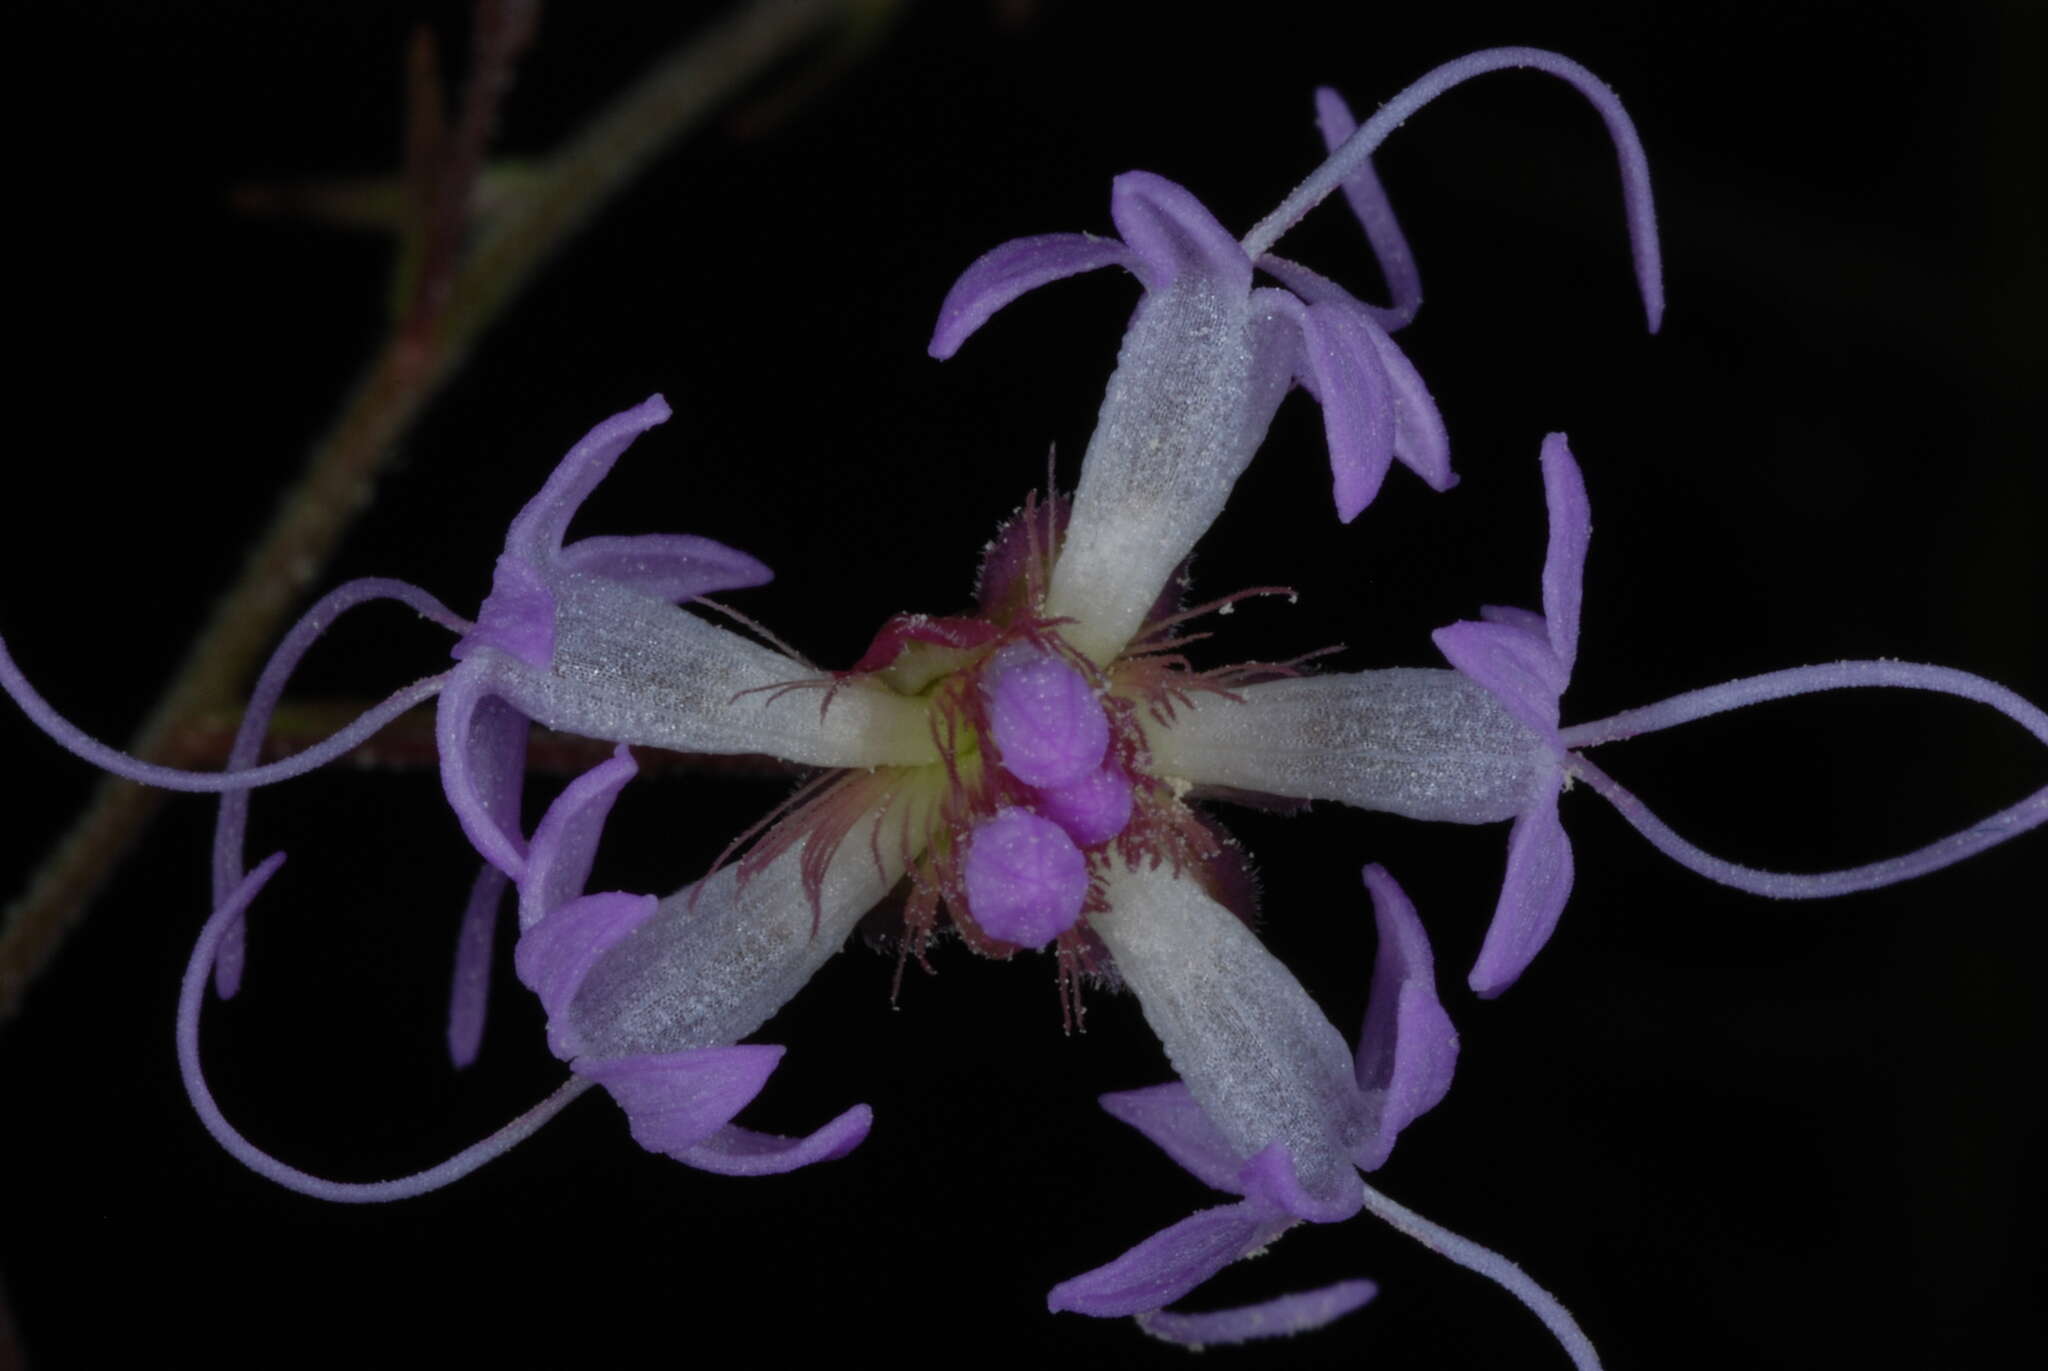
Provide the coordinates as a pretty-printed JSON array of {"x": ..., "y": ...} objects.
[
  {"x": 1208, "y": 356},
  {"x": 1270, "y": 1105},
  {"x": 1023, "y": 773},
  {"x": 1484, "y": 743},
  {"x": 1525, "y": 661}
]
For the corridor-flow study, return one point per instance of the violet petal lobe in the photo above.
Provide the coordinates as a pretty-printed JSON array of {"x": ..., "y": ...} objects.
[
  {"x": 1169, "y": 1116},
  {"x": 469, "y": 991},
  {"x": 1341, "y": 368},
  {"x": 1519, "y": 669},
  {"x": 737, "y": 1151},
  {"x": 1172, "y": 234},
  {"x": 669, "y": 566},
  {"x": 1009, "y": 270},
  {"x": 565, "y": 841},
  {"x": 482, "y": 745},
  {"x": 1270, "y": 1176},
  {"x": 518, "y": 615},
  {"x": 537, "y": 531},
  {"x": 1407, "y": 1049},
  {"x": 675, "y": 1100},
  {"x": 1421, "y": 443},
  {"x": 1533, "y": 894},
  {"x": 1171, "y": 1262},
  {"x": 1368, "y": 201},
  {"x": 1280, "y": 1317},
  {"x": 1523, "y": 620},
  {"x": 556, "y": 954},
  {"x": 1564, "y": 561}
]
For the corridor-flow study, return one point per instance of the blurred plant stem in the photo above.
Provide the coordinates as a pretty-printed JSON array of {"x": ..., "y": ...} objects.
[{"x": 458, "y": 270}]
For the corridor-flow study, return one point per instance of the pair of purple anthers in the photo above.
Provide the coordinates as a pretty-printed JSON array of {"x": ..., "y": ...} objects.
[{"x": 1021, "y": 774}]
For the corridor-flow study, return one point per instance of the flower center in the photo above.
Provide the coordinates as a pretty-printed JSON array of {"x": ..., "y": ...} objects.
[{"x": 1044, "y": 779}]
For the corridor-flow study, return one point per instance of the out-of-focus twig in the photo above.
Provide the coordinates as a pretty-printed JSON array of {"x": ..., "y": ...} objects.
[{"x": 455, "y": 278}]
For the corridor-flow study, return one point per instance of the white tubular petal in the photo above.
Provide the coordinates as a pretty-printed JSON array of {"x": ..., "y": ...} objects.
[
  {"x": 1254, "y": 1050},
  {"x": 1426, "y": 743},
  {"x": 1196, "y": 384},
  {"x": 711, "y": 970},
  {"x": 630, "y": 668}
]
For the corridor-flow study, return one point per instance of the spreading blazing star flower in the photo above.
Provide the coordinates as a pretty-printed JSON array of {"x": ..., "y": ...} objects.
[{"x": 1023, "y": 774}]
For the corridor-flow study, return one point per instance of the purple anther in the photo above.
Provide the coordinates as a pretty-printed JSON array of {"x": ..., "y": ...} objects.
[
  {"x": 1025, "y": 878},
  {"x": 1043, "y": 716},
  {"x": 1093, "y": 809}
]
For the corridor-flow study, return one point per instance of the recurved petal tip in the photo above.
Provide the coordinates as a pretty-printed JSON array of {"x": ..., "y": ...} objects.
[
  {"x": 1408, "y": 1048},
  {"x": 1010, "y": 269},
  {"x": 676, "y": 1100},
  {"x": 1538, "y": 881},
  {"x": 736, "y": 1151},
  {"x": 1280, "y": 1317},
  {"x": 1171, "y": 1262}
]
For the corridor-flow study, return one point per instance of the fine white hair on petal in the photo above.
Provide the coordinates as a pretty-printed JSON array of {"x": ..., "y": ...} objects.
[
  {"x": 630, "y": 668},
  {"x": 714, "y": 963},
  {"x": 1423, "y": 742},
  {"x": 1254, "y": 1050},
  {"x": 1186, "y": 408}
]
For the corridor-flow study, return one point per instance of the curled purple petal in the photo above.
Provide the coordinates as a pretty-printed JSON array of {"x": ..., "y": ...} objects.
[
  {"x": 1270, "y": 1177},
  {"x": 1523, "y": 620},
  {"x": 536, "y": 531},
  {"x": 1171, "y": 233},
  {"x": 675, "y": 1100},
  {"x": 470, "y": 991},
  {"x": 1169, "y": 1116},
  {"x": 1518, "y": 668},
  {"x": 670, "y": 566},
  {"x": 1407, "y": 1049},
  {"x": 1341, "y": 367},
  {"x": 1421, "y": 442},
  {"x": 565, "y": 841},
  {"x": 1368, "y": 201},
  {"x": 1044, "y": 718},
  {"x": 1344, "y": 162},
  {"x": 1025, "y": 878},
  {"x": 1280, "y": 1317},
  {"x": 482, "y": 744},
  {"x": 736, "y": 1151},
  {"x": 518, "y": 616},
  {"x": 1171, "y": 1262},
  {"x": 1539, "y": 879},
  {"x": 1007, "y": 271},
  {"x": 1564, "y": 563},
  {"x": 554, "y": 956}
]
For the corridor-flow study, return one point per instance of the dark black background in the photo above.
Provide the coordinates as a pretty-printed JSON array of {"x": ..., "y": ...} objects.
[{"x": 1725, "y": 1132}]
